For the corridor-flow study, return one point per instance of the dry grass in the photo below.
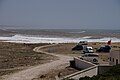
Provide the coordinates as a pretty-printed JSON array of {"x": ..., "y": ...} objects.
[
  {"x": 14, "y": 55},
  {"x": 63, "y": 48},
  {"x": 66, "y": 49},
  {"x": 60, "y": 72}
]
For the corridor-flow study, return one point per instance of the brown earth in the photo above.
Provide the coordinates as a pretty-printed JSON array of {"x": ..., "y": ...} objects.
[
  {"x": 33, "y": 72},
  {"x": 17, "y": 56},
  {"x": 60, "y": 49},
  {"x": 66, "y": 49}
]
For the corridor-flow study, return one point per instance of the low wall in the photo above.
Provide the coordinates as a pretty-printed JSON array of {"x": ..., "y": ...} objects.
[
  {"x": 88, "y": 69},
  {"x": 82, "y": 64}
]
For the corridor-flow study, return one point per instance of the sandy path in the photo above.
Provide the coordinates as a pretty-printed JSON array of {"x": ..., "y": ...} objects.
[{"x": 34, "y": 71}]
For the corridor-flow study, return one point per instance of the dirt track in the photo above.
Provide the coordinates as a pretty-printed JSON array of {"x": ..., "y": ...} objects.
[{"x": 34, "y": 71}]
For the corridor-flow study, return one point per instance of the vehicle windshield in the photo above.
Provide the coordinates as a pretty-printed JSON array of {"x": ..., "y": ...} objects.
[{"x": 90, "y": 49}]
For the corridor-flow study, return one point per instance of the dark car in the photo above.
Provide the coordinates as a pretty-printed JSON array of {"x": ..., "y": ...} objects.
[
  {"x": 104, "y": 49},
  {"x": 77, "y": 47}
]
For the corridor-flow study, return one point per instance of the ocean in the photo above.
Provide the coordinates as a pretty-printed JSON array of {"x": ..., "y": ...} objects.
[{"x": 58, "y": 35}]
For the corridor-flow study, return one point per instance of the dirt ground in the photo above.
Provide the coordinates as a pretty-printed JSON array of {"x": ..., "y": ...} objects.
[
  {"x": 63, "y": 48},
  {"x": 56, "y": 73},
  {"x": 42, "y": 69},
  {"x": 66, "y": 49},
  {"x": 13, "y": 55},
  {"x": 17, "y": 56}
]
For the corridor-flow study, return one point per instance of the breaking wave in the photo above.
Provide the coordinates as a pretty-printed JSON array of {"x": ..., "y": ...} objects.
[{"x": 46, "y": 39}]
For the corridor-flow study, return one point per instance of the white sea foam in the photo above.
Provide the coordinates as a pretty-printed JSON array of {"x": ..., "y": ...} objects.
[
  {"x": 26, "y": 39},
  {"x": 78, "y": 32},
  {"x": 87, "y": 37}
]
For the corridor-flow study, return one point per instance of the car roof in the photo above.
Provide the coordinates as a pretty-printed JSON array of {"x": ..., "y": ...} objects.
[{"x": 89, "y": 47}]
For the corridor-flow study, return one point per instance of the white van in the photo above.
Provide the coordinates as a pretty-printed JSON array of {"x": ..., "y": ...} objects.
[
  {"x": 87, "y": 49},
  {"x": 83, "y": 43},
  {"x": 91, "y": 57}
]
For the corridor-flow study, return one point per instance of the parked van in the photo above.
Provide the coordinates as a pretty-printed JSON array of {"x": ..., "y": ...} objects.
[
  {"x": 80, "y": 46},
  {"x": 87, "y": 49},
  {"x": 83, "y": 43},
  {"x": 92, "y": 57}
]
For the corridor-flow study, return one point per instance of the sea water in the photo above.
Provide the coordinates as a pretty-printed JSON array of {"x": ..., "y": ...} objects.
[{"x": 60, "y": 35}]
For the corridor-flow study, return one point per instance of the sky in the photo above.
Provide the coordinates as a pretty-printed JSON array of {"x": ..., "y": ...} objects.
[{"x": 61, "y": 14}]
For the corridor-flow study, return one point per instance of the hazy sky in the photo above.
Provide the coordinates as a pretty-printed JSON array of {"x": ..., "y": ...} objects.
[{"x": 80, "y": 14}]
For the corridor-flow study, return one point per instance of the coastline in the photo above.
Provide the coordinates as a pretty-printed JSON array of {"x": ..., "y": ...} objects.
[{"x": 58, "y": 35}]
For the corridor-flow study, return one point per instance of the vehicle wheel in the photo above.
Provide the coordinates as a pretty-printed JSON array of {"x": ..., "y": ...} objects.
[
  {"x": 84, "y": 52},
  {"x": 95, "y": 60},
  {"x": 81, "y": 58}
]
